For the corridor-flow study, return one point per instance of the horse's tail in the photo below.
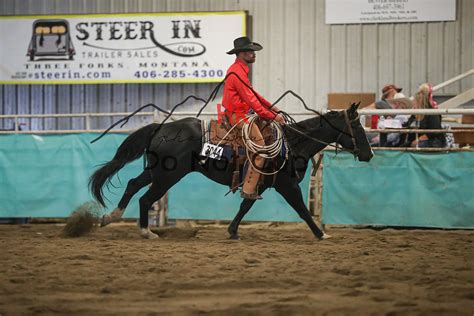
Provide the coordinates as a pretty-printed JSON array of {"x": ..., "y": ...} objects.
[{"x": 132, "y": 148}]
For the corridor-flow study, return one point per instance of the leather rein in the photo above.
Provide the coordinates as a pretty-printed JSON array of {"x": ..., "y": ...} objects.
[{"x": 348, "y": 126}]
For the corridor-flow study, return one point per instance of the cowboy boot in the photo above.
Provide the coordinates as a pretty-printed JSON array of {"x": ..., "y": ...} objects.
[{"x": 249, "y": 189}]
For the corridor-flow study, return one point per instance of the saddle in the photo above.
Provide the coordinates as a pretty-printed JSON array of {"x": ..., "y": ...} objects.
[
  {"x": 224, "y": 134},
  {"x": 229, "y": 138}
]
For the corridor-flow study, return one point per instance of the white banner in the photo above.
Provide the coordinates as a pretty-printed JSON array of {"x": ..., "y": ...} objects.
[
  {"x": 389, "y": 11},
  {"x": 118, "y": 48}
]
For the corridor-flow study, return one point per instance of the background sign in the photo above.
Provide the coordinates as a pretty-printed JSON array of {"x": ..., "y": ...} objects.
[
  {"x": 389, "y": 11},
  {"x": 156, "y": 47}
]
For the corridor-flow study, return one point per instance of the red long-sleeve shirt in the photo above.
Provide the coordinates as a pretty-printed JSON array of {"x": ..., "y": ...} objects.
[{"x": 238, "y": 98}]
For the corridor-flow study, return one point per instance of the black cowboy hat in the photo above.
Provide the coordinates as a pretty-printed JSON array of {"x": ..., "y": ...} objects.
[{"x": 242, "y": 44}]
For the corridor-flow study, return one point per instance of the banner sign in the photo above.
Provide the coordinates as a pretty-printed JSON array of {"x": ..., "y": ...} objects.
[
  {"x": 389, "y": 11},
  {"x": 118, "y": 48}
]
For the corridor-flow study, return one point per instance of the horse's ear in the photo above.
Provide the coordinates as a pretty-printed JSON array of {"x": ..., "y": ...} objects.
[{"x": 354, "y": 107}]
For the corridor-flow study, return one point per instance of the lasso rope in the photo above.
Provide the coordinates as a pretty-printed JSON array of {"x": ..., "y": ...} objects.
[
  {"x": 265, "y": 151},
  {"x": 212, "y": 96}
]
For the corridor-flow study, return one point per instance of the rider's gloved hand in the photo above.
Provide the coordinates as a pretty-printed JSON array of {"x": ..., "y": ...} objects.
[{"x": 280, "y": 119}]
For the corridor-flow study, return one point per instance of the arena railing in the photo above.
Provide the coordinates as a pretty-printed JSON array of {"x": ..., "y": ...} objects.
[
  {"x": 157, "y": 117},
  {"x": 315, "y": 190},
  {"x": 416, "y": 131},
  {"x": 459, "y": 99}
]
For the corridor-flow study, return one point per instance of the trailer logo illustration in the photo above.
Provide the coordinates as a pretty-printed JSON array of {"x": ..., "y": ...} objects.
[{"x": 51, "y": 38}]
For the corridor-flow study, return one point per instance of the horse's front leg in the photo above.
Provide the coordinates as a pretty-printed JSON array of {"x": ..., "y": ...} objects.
[
  {"x": 291, "y": 192},
  {"x": 245, "y": 206}
]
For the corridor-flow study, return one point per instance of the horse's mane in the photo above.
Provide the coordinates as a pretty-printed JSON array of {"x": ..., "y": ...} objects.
[{"x": 315, "y": 122}]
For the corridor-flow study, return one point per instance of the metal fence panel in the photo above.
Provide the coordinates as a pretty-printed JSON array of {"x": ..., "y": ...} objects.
[{"x": 300, "y": 52}]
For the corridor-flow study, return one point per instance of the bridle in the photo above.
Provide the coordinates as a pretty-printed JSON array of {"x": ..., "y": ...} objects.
[
  {"x": 356, "y": 149},
  {"x": 348, "y": 125}
]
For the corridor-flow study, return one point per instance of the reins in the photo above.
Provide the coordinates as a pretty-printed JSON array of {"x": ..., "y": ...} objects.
[
  {"x": 341, "y": 132},
  {"x": 356, "y": 150},
  {"x": 213, "y": 95}
]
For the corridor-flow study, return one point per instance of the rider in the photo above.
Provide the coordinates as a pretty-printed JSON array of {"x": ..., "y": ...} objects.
[{"x": 238, "y": 100}]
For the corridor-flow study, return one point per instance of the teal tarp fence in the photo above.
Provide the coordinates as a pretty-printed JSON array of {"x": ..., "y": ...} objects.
[
  {"x": 206, "y": 200},
  {"x": 46, "y": 176},
  {"x": 400, "y": 189}
]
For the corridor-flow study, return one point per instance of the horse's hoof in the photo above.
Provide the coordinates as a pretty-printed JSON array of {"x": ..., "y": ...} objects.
[
  {"x": 153, "y": 236},
  {"x": 234, "y": 237},
  {"x": 106, "y": 220},
  {"x": 148, "y": 234},
  {"x": 326, "y": 236}
]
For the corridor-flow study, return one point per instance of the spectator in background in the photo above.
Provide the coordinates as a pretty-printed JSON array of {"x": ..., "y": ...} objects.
[
  {"x": 399, "y": 101},
  {"x": 388, "y": 93},
  {"x": 424, "y": 100}
]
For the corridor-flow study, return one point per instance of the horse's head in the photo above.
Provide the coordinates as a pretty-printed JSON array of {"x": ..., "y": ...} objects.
[{"x": 350, "y": 133}]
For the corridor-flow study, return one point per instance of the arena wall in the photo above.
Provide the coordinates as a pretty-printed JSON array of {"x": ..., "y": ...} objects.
[
  {"x": 47, "y": 176},
  {"x": 301, "y": 53}
]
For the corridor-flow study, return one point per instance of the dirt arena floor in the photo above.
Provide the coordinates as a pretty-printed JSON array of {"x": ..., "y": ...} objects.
[{"x": 274, "y": 269}]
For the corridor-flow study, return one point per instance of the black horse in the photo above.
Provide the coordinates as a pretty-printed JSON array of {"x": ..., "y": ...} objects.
[{"x": 172, "y": 151}]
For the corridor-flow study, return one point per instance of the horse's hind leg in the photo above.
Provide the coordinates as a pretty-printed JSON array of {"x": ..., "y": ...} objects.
[
  {"x": 154, "y": 193},
  {"x": 133, "y": 186}
]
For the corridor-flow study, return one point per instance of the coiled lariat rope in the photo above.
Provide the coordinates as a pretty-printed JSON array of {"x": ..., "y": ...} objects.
[{"x": 265, "y": 151}]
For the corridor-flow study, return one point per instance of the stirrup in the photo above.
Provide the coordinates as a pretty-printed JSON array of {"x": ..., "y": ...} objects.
[{"x": 250, "y": 196}]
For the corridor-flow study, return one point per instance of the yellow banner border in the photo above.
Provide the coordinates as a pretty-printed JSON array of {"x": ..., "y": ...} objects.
[
  {"x": 190, "y": 80},
  {"x": 196, "y": 80}
]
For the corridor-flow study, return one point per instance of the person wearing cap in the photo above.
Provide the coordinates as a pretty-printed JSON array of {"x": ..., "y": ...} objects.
[
  {"x": 388, "y": 93},
  {"x": 239, "y": 99}
]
